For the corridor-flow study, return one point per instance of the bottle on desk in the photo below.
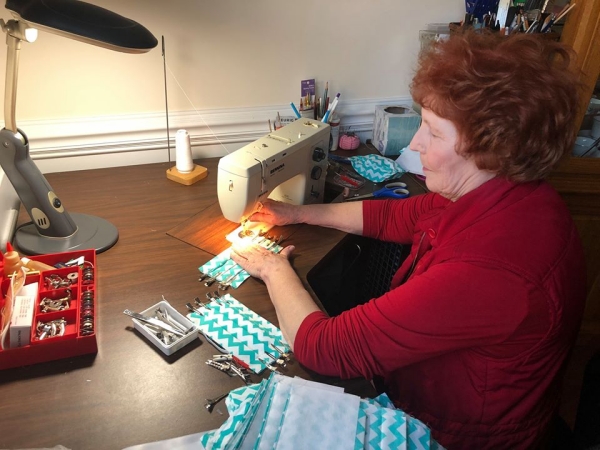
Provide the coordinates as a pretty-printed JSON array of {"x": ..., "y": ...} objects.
[{"x": 12, "y": 261}]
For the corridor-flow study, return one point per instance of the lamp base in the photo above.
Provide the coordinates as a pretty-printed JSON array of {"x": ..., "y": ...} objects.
[
  {"x": 189, "y": 178},
  {"x": 92, "y": 233}
]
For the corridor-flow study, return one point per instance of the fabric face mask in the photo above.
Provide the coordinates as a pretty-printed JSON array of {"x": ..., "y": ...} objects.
[{"x": 376, "y": 168}]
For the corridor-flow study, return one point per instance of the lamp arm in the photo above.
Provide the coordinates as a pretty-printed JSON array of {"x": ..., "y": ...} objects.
[
  {"x": 43, "y": 206},
  {"x": 14, "y": 33}
]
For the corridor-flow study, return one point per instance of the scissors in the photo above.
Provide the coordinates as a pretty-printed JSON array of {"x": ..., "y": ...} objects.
[{"x": 390, "y": 190}]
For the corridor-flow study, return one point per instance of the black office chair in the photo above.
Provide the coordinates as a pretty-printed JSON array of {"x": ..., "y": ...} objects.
[
  {"x": 586, "y": 432},
  {"x": 355, "y": 271},
  {"x": 587, "y": 422}
]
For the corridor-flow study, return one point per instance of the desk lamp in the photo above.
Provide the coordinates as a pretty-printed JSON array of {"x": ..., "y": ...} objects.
[{"x": 53, "y": 229}]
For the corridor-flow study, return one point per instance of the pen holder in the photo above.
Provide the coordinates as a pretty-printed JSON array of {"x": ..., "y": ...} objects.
[{"x": 308, "y": 113}]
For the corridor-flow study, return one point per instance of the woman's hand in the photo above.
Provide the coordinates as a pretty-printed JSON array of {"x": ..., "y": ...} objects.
[
  {"x": 276, "y": 213},
  {"x": 260, "y": 262}
]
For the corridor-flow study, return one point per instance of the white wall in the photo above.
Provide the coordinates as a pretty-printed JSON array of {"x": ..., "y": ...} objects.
[{"x": 238, "y": 62}]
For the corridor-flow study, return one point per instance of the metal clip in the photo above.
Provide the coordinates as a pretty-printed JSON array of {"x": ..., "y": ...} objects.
[
  {"x": 211, "y": 402},
  {"x": 279, "y": 361},
  {"x": 269, "y": 366},
  {"x": 223, "y": 367},
  {"x": 240, "y": 373},
  {"x": 199, "y": 303},
  {"x": 225, "y": 284},
  {"x": 283, "y": 354},
  {"x": 194, "y": 309}
]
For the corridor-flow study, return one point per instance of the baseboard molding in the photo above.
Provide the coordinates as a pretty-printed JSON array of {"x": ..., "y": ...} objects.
[{"x": 98, "y": 142}]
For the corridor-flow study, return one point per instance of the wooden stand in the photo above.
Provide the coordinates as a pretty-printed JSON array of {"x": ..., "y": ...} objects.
[{"x": 189, "y": 178}]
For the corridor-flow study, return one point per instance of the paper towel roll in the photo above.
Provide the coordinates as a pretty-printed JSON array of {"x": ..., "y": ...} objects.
[{"x": 183, "y": 152}]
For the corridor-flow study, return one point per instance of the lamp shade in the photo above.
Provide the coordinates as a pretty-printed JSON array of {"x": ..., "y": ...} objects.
[{"x": 84, "y": 22}]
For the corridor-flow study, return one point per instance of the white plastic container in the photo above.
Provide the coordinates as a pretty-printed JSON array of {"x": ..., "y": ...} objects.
[{"x": 180, "y": 342}]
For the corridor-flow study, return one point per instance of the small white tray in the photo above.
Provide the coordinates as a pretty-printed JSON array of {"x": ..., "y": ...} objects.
[{"x": 179, "y": 343}]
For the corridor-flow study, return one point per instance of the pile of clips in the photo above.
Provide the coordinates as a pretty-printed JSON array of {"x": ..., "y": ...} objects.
[
  {"x": 232, "y": 366},
  {"x": 54, "y": 281},
  {"x": 48, "y": 304},
  {"x": 165, "y": 327},
  {"x": 50, "y": 329}
]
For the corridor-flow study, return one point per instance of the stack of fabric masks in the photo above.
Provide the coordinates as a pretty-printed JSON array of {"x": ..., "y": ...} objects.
[
  {"x": 292, "y": 413},
  {"x": 284, "y": 413}
]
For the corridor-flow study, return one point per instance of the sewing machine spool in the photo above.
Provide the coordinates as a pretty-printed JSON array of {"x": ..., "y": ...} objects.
[{"x": 185, "y": 171}]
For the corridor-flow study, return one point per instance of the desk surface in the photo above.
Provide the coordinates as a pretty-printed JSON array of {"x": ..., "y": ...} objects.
[{"x": 130, "y": 393}]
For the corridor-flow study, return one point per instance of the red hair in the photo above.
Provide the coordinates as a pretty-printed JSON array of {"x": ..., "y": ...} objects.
[{"x": 512, "y": 99}]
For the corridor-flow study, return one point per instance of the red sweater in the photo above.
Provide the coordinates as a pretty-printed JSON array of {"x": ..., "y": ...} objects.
[{"x": 474, "y": 342}]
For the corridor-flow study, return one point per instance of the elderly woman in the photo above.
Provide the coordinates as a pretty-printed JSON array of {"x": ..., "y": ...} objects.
[{"x": 475, "y": 331}]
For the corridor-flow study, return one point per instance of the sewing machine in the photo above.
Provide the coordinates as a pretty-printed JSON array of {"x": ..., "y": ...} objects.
[{"x": 288, "y": 165}]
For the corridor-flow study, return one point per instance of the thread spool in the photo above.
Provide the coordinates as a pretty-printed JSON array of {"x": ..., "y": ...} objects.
[
  {"x": 183, "y": 152},
  {"x": 185, "y": 171},
  {"x": 87, "y": 273}
]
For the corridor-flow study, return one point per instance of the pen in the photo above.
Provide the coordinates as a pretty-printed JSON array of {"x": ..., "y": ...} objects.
[
  {"x": 295, "y": 110},
  {"x": 331, "y": 108},
  {"x": 565, "y": 12},
  {"x": 323, "y": 105},
  {"x": 335, "y": 102}
]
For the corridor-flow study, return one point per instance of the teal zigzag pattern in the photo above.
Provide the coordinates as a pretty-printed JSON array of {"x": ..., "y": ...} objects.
[
  {"x": 239, "y": 330},
  {"x": 382, "y": 400},
  {"x": 246, "y": 328},
  {"x": 394, "y": 429},
  {"x": 375, "y": 167},
  {"x": 216, "y": 262},
  {"x": 419, "y": 436},
  {"x": 267, "y": 329},
  {"x": 223, "y": 263},
  {"x": 270, "y": 330},
  {"x": 210, "y": 326},
  {"x": 375, "y": 429},
  {"x": 361, "y": 428},
  {"x": 227, "y": 430}
]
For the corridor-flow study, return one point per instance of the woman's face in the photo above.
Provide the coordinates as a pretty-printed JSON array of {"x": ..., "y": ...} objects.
[{"x": 447, "y": 173}]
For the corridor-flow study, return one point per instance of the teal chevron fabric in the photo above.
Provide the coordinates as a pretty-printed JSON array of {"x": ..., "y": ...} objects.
[
  {"x": 419, "y": 436},
  {"x": 240, "y": 331},
  {"x": 226, "y": 271},
  {"x": 284, "y": 413},
  {"x": 376, "y": 168}
]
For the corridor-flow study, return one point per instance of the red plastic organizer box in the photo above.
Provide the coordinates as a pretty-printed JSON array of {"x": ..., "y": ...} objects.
[{"x": 79, "y": 337}]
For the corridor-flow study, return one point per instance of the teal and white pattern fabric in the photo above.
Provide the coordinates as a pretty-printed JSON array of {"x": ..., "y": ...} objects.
[
  {"x": 296, "y": 414},
  {"x": 240, "y": 331},
  {"x": 376, "y": 168},
  {"x": 283, "y": 413},
  {"x": 225, "y": 270}
]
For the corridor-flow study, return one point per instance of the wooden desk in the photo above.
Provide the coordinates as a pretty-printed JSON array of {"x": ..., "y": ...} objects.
[{"x": 130, "y": 393}]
